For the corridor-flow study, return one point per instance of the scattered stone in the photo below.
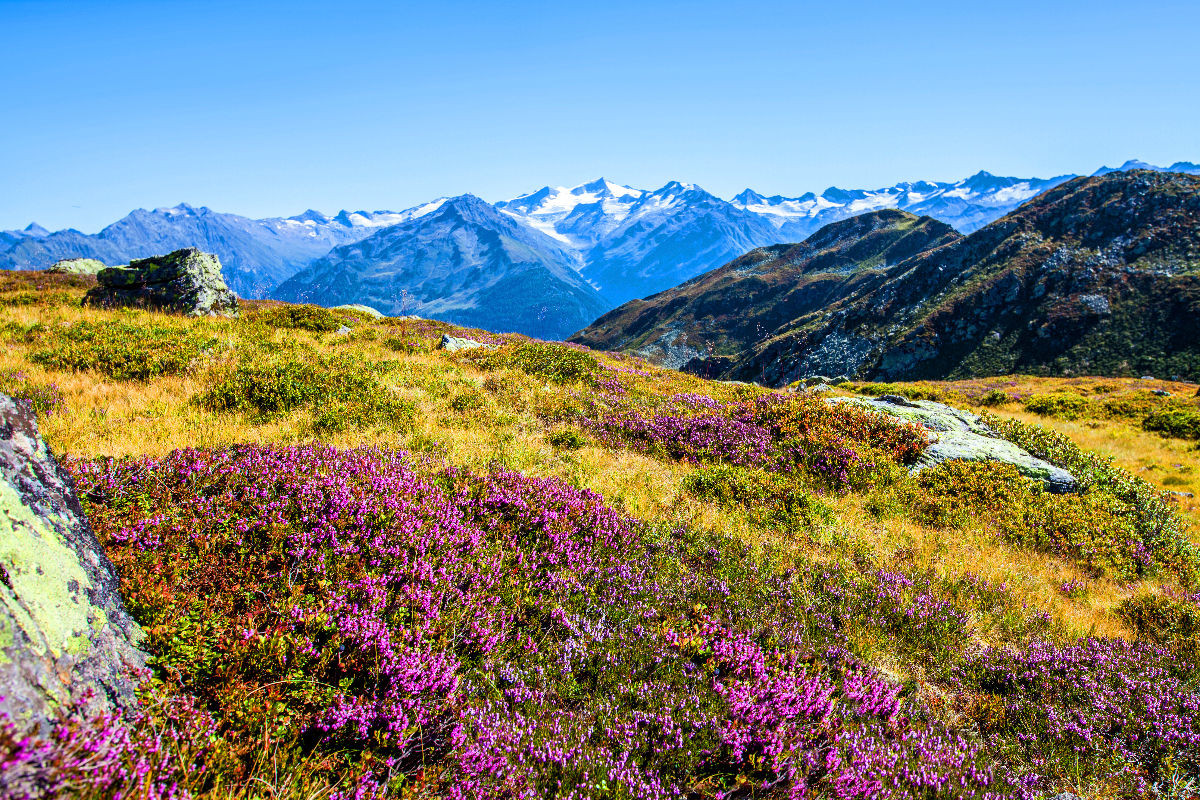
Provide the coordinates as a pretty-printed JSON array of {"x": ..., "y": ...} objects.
[
  {"x": 77, "y": 266},
  {"x": 186, "y": 281},
  {"x": 65, "y": 637},
  {"x": 1066, "y": 796},
  {"x": 343, "y": 330},
  {"x": 1160, "y": 392},
  {"x": 1185, "y": 495},
  {"x": 359, "y": 307},
  {"x": 959, "y": 434},
  {"x": 1147, "y": 377},
  {"x": 453, "y": 344},
  {"x": 1096, "y": 303}
]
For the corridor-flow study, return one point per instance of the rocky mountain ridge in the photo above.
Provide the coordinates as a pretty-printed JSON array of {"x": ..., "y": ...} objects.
[{"x": 1097, "y": 276}]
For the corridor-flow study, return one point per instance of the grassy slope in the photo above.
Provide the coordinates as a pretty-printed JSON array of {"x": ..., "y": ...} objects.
[{"x": 481, "y": 418}]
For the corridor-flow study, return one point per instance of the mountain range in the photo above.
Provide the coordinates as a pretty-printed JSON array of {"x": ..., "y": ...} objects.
[
  {"x": 572, "y": 250},
  {"x": 1099, "y": 276}
]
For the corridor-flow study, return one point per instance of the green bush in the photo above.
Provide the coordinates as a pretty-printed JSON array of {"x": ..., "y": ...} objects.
[
  {"x": 1060, "y": 405},
  {"x": 122, "y": 349},
  {"x": 770, "y": 498},
  {"x": 1180, "y": 423},
  {"x": 1159, "y": 526},
  {"x": 567, "y": 439},
  {"x": 340, "y": 394},
  {"x": 553, "y": 362},
  {"x": 1170, "y": 621},
  {"x": 993, "y": 398},
  {"x": 1093, "y": 529},
  {"x": 301, "y": 317}
]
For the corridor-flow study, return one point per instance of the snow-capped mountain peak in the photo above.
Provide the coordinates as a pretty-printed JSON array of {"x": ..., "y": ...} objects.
[{"x": 576, "y": 215}]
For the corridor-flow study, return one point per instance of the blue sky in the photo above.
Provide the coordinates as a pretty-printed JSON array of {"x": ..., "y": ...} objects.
[{"x": 269, "y": 108}]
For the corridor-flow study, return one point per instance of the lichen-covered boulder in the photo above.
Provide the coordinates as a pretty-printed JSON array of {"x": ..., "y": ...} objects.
[
  {"x": 66, "y": 640},
  {"x": 452, "y": 344},
  {"x": 185, "y": 281},
  {"x": 959, "y": 434},
  {"x": 77, "y": 266},
  {"x": 359, "y": 307}
]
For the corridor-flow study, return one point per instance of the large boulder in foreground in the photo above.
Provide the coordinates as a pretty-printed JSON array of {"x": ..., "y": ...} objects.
[
  {"x": 185, "y": 281},
  {"x": 66, "y": 640},
  {"x": 959, "y": 434}
]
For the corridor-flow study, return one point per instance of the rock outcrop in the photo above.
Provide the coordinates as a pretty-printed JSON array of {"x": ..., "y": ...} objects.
[
  {"x": 77, "y": 266},
  {"x": 362, "y": 309},
  {"x": 959, "y": 434},
  {"x": 65, "y": 637},
  {"x": 185, "y": 281},
  {"x": 452, "y": 344}
]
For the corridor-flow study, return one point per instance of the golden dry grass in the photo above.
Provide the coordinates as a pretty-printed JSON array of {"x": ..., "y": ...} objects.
[{"x": 104, "y": 417}]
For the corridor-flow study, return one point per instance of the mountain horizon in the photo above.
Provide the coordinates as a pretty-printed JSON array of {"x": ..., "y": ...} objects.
[{"x": 618, "y": 241}]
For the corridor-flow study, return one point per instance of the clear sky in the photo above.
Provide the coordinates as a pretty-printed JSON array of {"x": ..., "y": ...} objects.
[{"x": 266, "y": 108}]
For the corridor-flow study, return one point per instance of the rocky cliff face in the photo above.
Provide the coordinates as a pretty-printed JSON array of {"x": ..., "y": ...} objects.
[{"x": 65, "y": 637}]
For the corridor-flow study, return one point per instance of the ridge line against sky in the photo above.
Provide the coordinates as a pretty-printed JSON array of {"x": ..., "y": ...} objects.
[{"x": 267, "y": 109}]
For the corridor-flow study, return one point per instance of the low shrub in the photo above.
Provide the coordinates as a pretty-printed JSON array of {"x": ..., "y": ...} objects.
[
  {"x": 913, "y": 391},
  {"x": 1180, "y": 423},
  {"x": 1063, "y": 405},
  {"x": 43, "y": 398},
  {"x": 557, "y": 363},
  {"x": 401, "y": 344},
  {"x": 768, "y": 497},
  {"x": 1141, "y": 507},
  {"x": 300, "y": 317},
  {"x": 1171, "y": 620},
  {"x": 1097, "y": 710},
  {"x": 1093, "y": 529},
  {"x": 842, "y": 447},
  {"x": 339, "y": 392},
  {"x": 122, "y": 349},
  {"x": 498, "y": 636},
  {"x": 993, "y": 398},
  {"x": 567, "y": 439}
]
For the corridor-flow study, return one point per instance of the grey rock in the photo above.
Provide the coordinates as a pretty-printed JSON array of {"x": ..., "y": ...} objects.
[
  {"x": 360, "y": 308},
  {"x": 185, "y": 281},
  {"x": 453, "y": 344},
  {"x": 1147, "y": 377},
  {"x": 1096, "y": 303},
  {"x": 77, "y": 266},
  {"x": 959, "y": 434},
  {"x": 343, "y": 330},
  {"x": 65, "y": 637},
  {"x": 1160, "y": 392}
]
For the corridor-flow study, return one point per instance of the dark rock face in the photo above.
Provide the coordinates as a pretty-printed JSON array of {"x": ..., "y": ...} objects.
[
  {"x": 65, "y": 637},
  {"x": 185, "y": 281}
]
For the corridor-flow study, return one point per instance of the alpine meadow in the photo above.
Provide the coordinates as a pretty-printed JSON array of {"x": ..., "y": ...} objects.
[{"x": 599, "y": 492}]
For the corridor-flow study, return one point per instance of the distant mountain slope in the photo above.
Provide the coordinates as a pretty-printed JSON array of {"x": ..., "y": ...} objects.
[
  {"x": 467, "y": 263},
  {"x": 1100, "y": 275},
  {"x": 727, "y": 311},
  {"x": 256, "y": 254},
  {"x": 668, "y": 236}
]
